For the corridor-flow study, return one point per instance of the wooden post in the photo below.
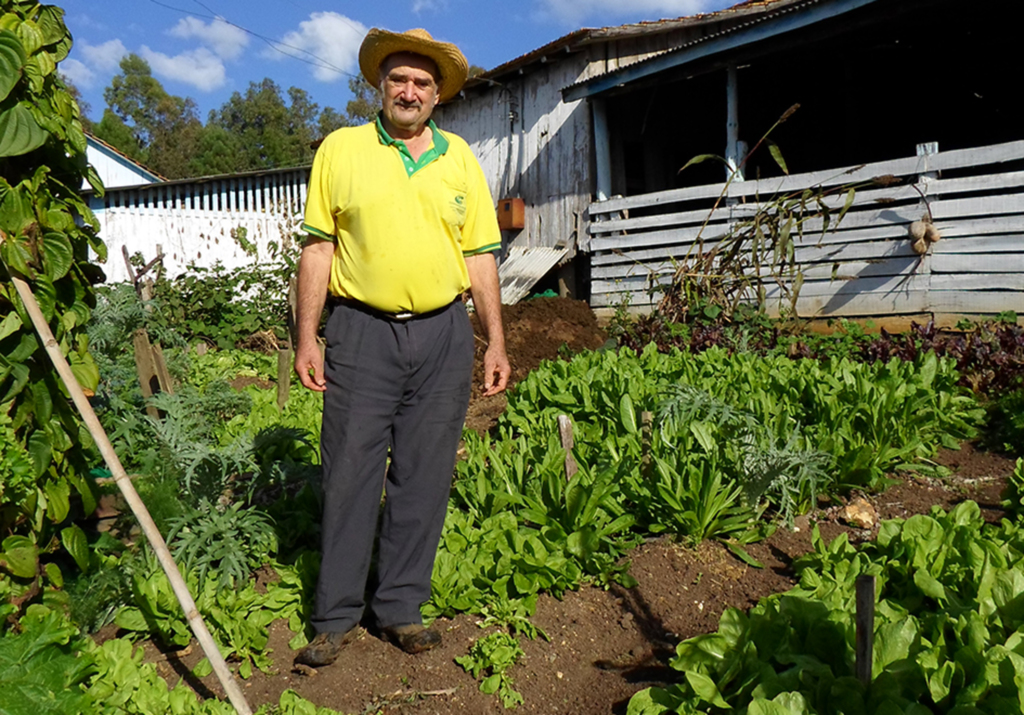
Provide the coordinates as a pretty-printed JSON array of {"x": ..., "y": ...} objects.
[
  {"x": 293, "y": 309},
  {"x": 865, "y": 627},
  {"x": 602, "y": 149},
  {"x": 565, "y": 431},
  {"x": 284, "y": 376},
  {"x": 162, "y": 375},
  {"x": 148, "y": 380},
  {"x": 138, "y": 507},
  {"x": 732, "y": 126},
  {"x": 646, "y": 432},
  {"x": 925, "y": 150}
]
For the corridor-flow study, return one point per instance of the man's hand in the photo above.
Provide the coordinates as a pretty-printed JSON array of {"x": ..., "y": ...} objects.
[
  {"x": 486, "y": 291},
  {"x": 314, "y": 272},
  {"x": 496, "y": 370},
  {"x": 309, "y": 363}
]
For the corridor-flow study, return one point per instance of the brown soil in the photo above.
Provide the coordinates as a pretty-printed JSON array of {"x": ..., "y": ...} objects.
[
  {"x": 604, "y": 645},
  {"x": 535, "y": 330}
]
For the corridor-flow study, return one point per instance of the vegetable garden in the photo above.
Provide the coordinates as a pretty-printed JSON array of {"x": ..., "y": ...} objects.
[{"x": 709, "y": 440}]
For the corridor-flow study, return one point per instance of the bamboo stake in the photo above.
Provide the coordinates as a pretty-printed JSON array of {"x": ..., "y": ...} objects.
[{"x": 195, "y": 620}]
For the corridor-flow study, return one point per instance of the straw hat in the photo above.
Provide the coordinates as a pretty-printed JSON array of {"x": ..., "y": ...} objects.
[{"x": 450, "y": 61}]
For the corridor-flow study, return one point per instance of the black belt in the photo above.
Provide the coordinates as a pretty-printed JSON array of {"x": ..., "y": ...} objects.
[{"x": 334, "y": 301}]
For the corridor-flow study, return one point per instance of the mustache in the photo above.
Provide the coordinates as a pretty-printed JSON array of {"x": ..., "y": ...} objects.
[{"x": 408, "y": 105}]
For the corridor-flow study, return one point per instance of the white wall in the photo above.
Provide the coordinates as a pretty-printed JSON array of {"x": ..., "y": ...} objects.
[
  {"x": 113, "y": 169},
  {"x": 198, "y": 222}
]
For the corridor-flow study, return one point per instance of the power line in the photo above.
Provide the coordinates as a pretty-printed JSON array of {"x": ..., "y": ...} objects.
[{"x": 273, "y": 44}]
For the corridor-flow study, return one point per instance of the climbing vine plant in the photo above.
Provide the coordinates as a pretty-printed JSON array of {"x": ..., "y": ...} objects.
[{"x": 46, "y": 231}]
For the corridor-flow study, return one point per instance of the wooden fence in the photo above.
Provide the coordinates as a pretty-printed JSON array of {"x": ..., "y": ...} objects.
[
  {"x": 201, "y": 221},
  {"x": 863, "y": 267}
]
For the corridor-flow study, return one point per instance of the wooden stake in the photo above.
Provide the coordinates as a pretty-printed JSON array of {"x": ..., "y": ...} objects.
[
  {"x": 646, "y": 432},
  {"x": 293, "y": 309},
  {"x": 163, "y": 376},
  {"x": 865, "y": 627},
  {"x": 284, "y": 376},
  {"x": 188, "y": 605},
  {"x": 149, "y": 383},
  {"x": 565, "y": 431}
]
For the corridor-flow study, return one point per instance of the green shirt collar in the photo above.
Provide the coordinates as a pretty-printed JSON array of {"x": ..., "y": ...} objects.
[{"x": 439, "y": 148}]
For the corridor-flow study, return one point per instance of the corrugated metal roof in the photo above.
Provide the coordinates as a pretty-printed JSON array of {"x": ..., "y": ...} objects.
[
  {"x": 523, "y": 267},
  {"x": 757, "y": 11},
  {"x": 577, "y": 40}
]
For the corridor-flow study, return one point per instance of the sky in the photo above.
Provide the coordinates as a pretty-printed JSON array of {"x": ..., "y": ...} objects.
[{"x": 209, "y": 49}]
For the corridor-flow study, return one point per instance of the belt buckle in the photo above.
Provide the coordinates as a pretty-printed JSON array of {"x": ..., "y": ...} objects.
[{"x": 402, "y": 316}]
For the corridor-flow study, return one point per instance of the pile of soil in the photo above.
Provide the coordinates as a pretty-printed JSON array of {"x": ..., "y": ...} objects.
[
  {"x": 602, "y": 646},
  {"x": 535, "y": 330}
]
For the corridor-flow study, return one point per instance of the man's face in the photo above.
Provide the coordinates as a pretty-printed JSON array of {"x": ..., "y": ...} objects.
[{"x": 409, "y": 90}]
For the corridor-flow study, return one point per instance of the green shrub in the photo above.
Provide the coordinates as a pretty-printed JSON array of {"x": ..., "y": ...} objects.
[{"x": 226, "y": 543}]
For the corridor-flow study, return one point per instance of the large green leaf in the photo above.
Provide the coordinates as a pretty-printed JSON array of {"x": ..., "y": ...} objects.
[
  {"x": 16, "y": 210},
  {"x": 46, "y": 295},
  {"x": 57, "y": 255},
  {"x": 12, "y": 59},
  {"x": 9, "y": 324},
  {"x": 39, "y": 447},
  {"x": 77, "y": 545},
  {"x": 51, "y": 24},
  {"x": 705, "y": 688},
  {"x": 20, "y": 555},
  {"x": 19, "y": 132},
  {"x": 30, "y": 35},
  {"x": 58, "y": 500}
]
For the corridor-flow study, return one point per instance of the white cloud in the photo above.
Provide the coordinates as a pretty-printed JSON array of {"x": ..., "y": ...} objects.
[
  {"x": 82, "y": 76},
  {"x": 329, "y": 40},
  {"x": 224, "y": 39},
  {"x": 105, "y": 57},
  {"x": 421, "y": 6},
  {"x": 200, "y": 68},
  {"x": 574, "y": 12},
  {"x": 81, "y": 20}
]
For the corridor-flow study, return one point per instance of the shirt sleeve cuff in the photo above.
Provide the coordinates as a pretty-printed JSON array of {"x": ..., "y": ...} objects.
[
  {"x": 490, "y": 248},
  {"x": 317, "y": 232}
]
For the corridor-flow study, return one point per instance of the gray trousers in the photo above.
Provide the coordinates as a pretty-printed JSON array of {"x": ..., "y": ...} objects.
[{"x": 403, "y": 386}]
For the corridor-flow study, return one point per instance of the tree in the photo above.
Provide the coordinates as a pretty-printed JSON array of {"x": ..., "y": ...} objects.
[
  {"x": 116, "y": 133},
  {"x": 165, "y": 129},
  {"x": 365, "y": 104},
  {"x": 267, "y": 132},
  {"x": 331, "y": 119}
]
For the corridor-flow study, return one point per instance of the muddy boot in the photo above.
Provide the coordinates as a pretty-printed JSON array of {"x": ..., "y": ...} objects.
[
  {"x": 413, "y": 638},
  {"x": 324, "y": 649}
]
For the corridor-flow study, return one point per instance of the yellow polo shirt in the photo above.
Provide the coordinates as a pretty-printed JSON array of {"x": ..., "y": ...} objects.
[{"x": 400, "y": 227}]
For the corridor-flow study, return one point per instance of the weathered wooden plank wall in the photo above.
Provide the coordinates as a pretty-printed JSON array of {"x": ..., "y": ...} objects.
[
  {"x": 534, "y": 146},
  {"x": 863, "y": 267},
  {"x": 199, "y": 222}
]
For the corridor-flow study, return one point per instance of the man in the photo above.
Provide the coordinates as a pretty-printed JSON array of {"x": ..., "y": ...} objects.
[{"x": 400, "y": 224}]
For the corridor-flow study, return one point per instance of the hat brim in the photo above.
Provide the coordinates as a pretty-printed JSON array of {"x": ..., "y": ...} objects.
[{"x": 379, "y": 44}]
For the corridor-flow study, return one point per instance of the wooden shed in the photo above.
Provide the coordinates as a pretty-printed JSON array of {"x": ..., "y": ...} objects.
[{"x": 591, "y": 131}]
